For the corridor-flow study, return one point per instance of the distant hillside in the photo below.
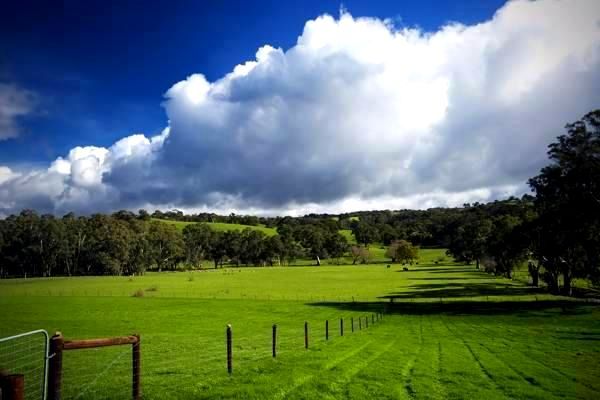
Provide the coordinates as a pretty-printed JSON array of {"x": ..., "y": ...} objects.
[{"x": 221, "y": 226}]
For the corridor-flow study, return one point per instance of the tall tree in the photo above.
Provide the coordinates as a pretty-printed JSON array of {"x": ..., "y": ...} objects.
[
  {"x": 403, "y": 251},
  {"x": 365, "y": 233},
  {"x": 166, "y": 244},
  {"x": 197, "y": 239},
  {"x": 568, "y": 197}
]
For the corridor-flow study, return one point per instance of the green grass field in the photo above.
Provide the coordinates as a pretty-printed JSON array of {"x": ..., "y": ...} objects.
[{"x": 451, "y": 332}]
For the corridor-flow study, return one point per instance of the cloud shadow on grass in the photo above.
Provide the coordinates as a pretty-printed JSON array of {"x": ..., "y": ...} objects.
[
  {"x": 448, "y": 295},
  {"x": 465, "y": 278},
  {"x": 442, "y": 269},
  {"x": 464, "y": 289},
  {"x": 548, "y": 308}
]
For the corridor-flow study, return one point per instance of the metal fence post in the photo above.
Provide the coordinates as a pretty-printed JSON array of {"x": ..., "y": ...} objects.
[
  {"x": 274, "y": 340},
  {"x": 305, "y": 335},
  {"x": 326, "y": 329},
  {"x": 229, "y": 352},
  {"x": 341, "y": 326}
]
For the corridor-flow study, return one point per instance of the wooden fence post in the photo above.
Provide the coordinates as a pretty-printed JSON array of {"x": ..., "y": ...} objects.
[
  {"x": 341, "y": 326},
  {"x": 12, "y": 387},
  {"x": 305, "y": 335},
  {"x": 352, "y": 324},
  {"x": 55, "y": 366},
  {"x": 137, "y": 359},
  {"x": 229, "y": 352},
  {"x": 274, "y": 340},
  {"x": 326, "y": 329}
]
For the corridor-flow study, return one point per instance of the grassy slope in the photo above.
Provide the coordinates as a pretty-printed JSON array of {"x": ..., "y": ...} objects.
[
  {"x": 422, "y": 349},
  {"x": 220, "y": 226},
  {"x": 347, "y": 233}
]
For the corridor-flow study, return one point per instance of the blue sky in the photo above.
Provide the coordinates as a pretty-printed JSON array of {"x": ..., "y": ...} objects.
[
  {"x": 100, "y": 68},
  {"x": 286, "y": 107}
]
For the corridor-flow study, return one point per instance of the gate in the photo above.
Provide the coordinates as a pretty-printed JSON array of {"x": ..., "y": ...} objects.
[{"x": 24, "y": 365}]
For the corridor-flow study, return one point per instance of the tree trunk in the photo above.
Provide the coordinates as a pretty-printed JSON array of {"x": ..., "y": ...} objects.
[
  {"x": 535, "y": 278},
  {"x": 552, "y": 282},
  {"x": 567, "y": 288},
  {"x": 477, "y": 263}
]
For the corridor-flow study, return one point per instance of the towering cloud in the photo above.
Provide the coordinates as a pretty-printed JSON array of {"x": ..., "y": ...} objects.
[{"x": 358, "y": 114}]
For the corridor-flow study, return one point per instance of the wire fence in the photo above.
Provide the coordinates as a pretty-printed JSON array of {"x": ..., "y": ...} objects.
[
  {"x": 26, "y": 354},
  {"x": 97, "y": 373},
  {"x": 106, "y": 368}
]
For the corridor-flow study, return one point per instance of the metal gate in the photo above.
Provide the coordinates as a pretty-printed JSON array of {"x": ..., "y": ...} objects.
[{"x": 26, "y": 354}]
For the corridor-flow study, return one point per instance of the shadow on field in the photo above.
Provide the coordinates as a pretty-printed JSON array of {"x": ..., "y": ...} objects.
[
  {"x": 542, "y": 308},
  {"x": 440, "y": 270},
  {"x": 464, "y": 278},
  {"x": 464, "y": 289}
]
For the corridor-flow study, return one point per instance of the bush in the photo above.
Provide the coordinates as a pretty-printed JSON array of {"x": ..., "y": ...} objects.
[
  {"x": 489, "y": 265},
  {"x": 138, "y": 293}
]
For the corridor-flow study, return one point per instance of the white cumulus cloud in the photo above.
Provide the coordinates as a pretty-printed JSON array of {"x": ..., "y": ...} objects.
[{"x": 358, "y": 114}]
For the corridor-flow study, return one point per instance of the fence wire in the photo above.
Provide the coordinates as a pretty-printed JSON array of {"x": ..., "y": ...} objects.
[
  {"x": 26, "y": 354},
  {"x": 97, "y": 373},
  {"x": 168, "y": 367}
]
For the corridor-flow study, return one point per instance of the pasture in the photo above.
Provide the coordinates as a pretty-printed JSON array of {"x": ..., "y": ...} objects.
[
  {"x": 451, "y": 332},
  {"x": 221, "y": 226}
]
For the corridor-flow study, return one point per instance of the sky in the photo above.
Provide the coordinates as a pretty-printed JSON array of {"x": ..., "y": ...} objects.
[{"x": 271, "y": 108}]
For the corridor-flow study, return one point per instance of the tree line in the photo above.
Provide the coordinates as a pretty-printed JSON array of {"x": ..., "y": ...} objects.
[
  {"x": 555, "y": 232},
  {"x": 128, "y": 243}
]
